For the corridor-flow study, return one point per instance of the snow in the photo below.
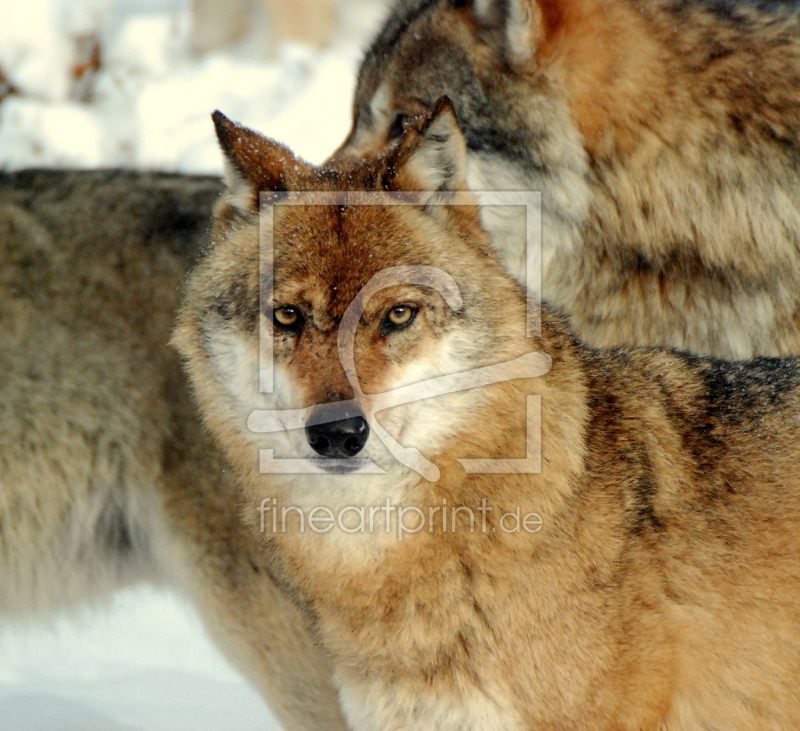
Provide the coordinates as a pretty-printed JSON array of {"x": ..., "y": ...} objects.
[
  {"x": 142, "y": 664},
  {"x": 145, "y": 663},
  {"x": 152, "y": 99}
]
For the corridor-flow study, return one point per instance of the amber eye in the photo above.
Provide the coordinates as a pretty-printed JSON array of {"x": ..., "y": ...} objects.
[
  {"x": 286, "y": 316},
  {"x": 399, "y": 317}
]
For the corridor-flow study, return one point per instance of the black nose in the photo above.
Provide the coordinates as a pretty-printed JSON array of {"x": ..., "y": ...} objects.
[{"x": 340, "y": 438}]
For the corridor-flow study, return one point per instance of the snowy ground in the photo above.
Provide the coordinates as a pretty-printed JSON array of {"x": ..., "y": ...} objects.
[{"x": 145, "y": 664}]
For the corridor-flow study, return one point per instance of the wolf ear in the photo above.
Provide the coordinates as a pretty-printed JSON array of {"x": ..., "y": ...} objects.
[
  {"x": 518, "y": 23},
  {"x": 253, "y": 164},
  {"x": 432, "y": 156}
]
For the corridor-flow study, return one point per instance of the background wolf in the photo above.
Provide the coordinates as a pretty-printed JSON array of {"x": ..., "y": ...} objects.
[
  {"x": 663, "y": 591},
  {"x": 106, "y": 475},
  {"x": 664, "y": 136}
]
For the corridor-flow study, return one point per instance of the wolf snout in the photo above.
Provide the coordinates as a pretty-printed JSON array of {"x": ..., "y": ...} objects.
[{"x": 337, "y": 431}]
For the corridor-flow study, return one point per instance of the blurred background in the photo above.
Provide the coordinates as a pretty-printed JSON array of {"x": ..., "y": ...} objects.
[
  {"x": 132, "y": 82},
  {"x": 103, "y": 83}
]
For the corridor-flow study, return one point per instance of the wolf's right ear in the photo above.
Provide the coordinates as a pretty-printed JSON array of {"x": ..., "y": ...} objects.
[
  {"x": 254, "y": 164},
  {"x": 432, "y": 155},
  {"x": 431, "y": 161}
]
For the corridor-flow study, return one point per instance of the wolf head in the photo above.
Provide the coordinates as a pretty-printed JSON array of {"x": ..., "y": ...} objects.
[
  {"x": 355, "y": 280},
  {"x": 508, "y": 66},
  {"x": 460, "y": 48},
  {"x": 527, "y": 77}
]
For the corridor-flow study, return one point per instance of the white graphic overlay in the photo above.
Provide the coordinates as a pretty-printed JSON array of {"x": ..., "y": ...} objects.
[{"x": 530, "y": 365}]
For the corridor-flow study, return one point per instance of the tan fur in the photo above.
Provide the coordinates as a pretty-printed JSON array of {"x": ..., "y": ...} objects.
[
  {"x": 107, "y": 477},
  {"x": 662, "y": 591},
  {"x": 664, "y": 136}
]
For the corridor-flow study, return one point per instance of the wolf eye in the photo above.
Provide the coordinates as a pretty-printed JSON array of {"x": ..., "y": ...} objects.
[
  {"x": 286, "y": 316},
  {"x": 398, "y": 318},
  {"x": 460, "y": 4},
  {"x": 398, "y": 126}
]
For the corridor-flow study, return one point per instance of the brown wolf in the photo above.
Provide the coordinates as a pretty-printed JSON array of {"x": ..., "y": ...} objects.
[
  {"x": 655, "y": 580},
  {"x": 663, "y": 134},
  {"x": 106, "y": 475}
]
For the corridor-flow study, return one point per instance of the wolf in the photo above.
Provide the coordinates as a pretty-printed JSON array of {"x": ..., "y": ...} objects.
[
  {"x": 107, "y": 475},
  {"x": 663, "y": 135},
  {"x": 651, "y": 579}
]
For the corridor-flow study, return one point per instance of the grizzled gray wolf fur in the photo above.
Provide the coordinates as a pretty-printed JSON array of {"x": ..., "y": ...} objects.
[
  {"x": 664, "y": 135},
  {"x": 107, "y": 476}
]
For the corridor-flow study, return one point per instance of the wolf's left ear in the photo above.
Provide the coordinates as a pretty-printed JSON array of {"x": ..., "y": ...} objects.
[
  {"x": 253, "y": 164},
  {"x": 517, "y": 23},
  {"x": 432, "y": 156}
]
